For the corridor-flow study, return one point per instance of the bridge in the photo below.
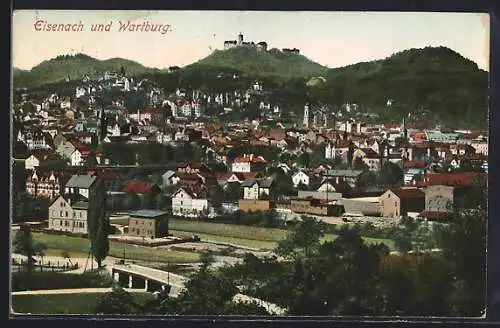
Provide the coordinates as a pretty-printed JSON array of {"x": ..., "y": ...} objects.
[
  {"x": 134, "y": 276},
  {"x": 149, "y": 279}
]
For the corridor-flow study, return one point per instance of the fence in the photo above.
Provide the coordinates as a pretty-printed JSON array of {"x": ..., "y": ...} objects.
[{"x": 21, "y": 265}]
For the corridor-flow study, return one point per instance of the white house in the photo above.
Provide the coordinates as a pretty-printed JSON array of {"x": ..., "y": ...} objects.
[
  {"x": 31, "y": 162},
  {"x": 64, "y": 216},
  {"x": 80, "y": 185},
  {"x": 481, "y": 147},
  {"x": 188, "y": 204},
  {"x": 65, "y": 103},
  {"x": 300, "y": 178},
  {"x": 76, "y": 158},
  {"x": 248, "y": 163},
  {"x": 256, "y": 188}
]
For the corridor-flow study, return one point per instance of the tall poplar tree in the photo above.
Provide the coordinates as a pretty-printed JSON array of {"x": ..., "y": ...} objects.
[{"x": 98, "y": 224}]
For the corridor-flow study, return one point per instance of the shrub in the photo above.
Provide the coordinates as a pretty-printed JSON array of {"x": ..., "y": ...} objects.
[{"x": 56, "y": 280}]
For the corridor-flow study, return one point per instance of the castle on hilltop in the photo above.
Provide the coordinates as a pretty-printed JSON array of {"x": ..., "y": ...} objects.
[{"x": 261, "y": 46}]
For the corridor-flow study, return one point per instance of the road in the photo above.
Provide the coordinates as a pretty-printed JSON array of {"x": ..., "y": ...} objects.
[{"x": 73, "y": 291}]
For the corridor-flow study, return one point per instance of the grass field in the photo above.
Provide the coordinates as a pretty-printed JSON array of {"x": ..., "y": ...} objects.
[
  {"x": 255, "y": 237},
  {"x": 252, "y": 243},
  {"x": 78, "y": 303},
  {"x": 79, "y": 247}
]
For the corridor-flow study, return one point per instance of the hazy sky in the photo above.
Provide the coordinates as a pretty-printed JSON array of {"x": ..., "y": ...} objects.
[{"x": 333, "y": 39}]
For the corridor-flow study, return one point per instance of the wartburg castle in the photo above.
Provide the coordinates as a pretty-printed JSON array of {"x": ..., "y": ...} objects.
[{"x": 261, "y": 46}]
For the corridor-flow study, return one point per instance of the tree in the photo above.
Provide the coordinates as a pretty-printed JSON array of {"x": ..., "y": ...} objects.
[
  {"x": 118, "y": 301},
  {"x": 98, "y": 225},
  {"x": 23, "y": 244},
  {"x": 303, "y": 242},
  {"x": 366, "y": 179},
  {"x": 390, "y": 174},
  {"x": 359, "y": 164},
  {"x": 463, "y": 243}
]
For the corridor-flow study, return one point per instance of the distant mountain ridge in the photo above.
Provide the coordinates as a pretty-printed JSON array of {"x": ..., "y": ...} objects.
[
  {"x": 74, "y": 67},
  {"x": 436, "y": 79}
]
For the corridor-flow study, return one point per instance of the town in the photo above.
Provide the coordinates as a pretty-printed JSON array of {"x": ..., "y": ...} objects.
[{"x": 222, "y": 200}]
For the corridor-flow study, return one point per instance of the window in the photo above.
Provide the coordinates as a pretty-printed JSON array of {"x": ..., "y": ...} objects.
[
  {"x": 60, "y": 213},
  {"x": 66, "y": 213},
  {"x": 74, "y": 214}
]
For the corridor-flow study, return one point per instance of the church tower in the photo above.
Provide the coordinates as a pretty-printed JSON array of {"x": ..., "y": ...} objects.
[{"x": 306, "y": 115}]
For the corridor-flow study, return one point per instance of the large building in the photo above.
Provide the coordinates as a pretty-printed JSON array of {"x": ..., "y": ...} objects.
[
  {"x": 66, "y": 214},
  {"x": 148, "y": 224},
  {"x": 260, "y": 46}
]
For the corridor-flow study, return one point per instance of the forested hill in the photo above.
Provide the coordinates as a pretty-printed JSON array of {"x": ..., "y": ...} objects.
[
  {"x": 435, "y": 80},
  {"x": 74, "y": 67},
  {"x": 272, "y": 63}
]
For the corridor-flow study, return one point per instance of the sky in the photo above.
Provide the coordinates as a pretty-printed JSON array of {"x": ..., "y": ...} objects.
[{"x": 333, "y": 39}]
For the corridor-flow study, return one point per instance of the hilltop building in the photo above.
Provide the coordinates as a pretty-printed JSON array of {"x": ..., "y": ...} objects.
[
  {"x": 291, "y": 51},
  {"x": 260, "y": 46}
]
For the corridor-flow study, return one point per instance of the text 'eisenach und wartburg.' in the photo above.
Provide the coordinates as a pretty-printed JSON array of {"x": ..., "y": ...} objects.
[{"x": 120, "y": 26}]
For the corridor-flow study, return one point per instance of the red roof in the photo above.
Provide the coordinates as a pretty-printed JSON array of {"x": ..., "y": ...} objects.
[
  {"x": 455, "y": 178},
  {"x": 139, "y": 187},
  {"x": 408, "y": 193}
]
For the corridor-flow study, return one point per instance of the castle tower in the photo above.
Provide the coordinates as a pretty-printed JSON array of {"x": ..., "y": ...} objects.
[
  {"x": 240, "y": 39},
  {"x": 306, "y": 115}
]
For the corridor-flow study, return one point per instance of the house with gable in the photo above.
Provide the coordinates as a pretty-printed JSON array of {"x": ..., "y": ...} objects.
[
  {"x": 399, "y": 202},
  {"x": 338, "y": 149},
  {"x": 68, "y": 214},
  {"x": 300, "y": 177},
  {"x": 445, "y": 191},
  {"x": 257, "y": 188},
  {"x": 369, "y": 157},
  {"x": 190, "y": 202},
  {"x": 248, "y": 163},
  {"x": 43, "y": 184},
  {"x": 35, "y": 158},
  {"x": 82, "y": 186}
]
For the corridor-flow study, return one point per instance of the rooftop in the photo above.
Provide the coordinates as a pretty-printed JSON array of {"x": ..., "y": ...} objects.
[{"x": 147, "y": 213}]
